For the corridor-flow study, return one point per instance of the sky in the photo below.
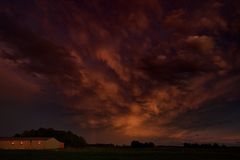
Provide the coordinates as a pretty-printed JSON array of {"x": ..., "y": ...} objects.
[{"x": 166, "y": 71}]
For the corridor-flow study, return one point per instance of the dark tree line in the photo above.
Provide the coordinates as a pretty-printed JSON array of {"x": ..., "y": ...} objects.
[
  {"x": 137, "y": 144},
  {"x": 207, "y": 145},
  {"x": 102, "y": 145},
  {"x": 67, "y": 137}
]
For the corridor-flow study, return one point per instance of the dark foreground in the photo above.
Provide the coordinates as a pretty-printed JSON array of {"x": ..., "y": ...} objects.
[{"x": 165, "y": 153}]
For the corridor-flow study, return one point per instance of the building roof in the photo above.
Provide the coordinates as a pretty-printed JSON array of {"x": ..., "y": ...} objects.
[{"x": 24, "y": 138}]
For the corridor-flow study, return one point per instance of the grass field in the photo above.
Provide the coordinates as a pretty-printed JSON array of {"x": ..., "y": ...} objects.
[{"x": 167, "y": 153}]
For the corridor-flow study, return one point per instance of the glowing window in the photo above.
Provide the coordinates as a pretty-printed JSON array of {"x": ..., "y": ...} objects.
[
  {"x": 21, "y": 142},
  {"x": 12, "y": 142},
  {"x": 39, "y": 142}
]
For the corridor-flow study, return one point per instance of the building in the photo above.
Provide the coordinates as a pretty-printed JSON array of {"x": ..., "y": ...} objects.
[{"x": 32, "y": 143}]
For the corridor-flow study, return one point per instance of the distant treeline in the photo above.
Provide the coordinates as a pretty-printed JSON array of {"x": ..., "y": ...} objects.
[
  {"x": 102, "y": 145},
  {"x": 137, "y": 144},
  {"x": 67, "y": 137},
  {"x": 207, "y": 145},
  {"x": 72, "y": 140}
]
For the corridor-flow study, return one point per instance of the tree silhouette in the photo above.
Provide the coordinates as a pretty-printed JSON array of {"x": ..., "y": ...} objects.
[{"x": 137, "y": 144}]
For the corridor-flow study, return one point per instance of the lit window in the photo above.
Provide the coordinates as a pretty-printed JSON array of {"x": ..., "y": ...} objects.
[
  {"x": 12, "y": 142},
  {"x": 21, "y": 142},
  {"x": 39, "y": 142}
]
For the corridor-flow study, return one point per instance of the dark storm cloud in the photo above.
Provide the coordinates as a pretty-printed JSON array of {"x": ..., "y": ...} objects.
[
  {"x": 44, "y": 56},
  {"x": 12, "y": 80},
  {"x": 129, "y": 68}
]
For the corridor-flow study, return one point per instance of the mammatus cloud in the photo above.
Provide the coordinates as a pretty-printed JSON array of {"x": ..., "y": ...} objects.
[{"x": 130, "y": 69}]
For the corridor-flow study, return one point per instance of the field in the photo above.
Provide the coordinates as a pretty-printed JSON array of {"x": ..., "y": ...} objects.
[{"x": 164, "y": 153}]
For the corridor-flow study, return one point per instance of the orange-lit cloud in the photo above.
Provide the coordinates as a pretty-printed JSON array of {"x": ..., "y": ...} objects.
[{"x": 138, "y": 69}]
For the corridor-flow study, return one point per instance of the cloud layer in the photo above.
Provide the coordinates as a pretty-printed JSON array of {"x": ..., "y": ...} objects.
[{"x": 138, "y": 69}]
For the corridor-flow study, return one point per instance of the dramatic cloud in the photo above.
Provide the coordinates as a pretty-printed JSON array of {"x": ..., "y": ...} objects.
[
  {"x": 12, "y": 81},
  {"x": 144, "y": 69}
]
